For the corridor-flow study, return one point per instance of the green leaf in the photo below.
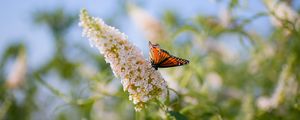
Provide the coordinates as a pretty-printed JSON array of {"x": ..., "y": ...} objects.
[
  {"x": 233, "y": 3},
  {"x": 177, "y": 115}
]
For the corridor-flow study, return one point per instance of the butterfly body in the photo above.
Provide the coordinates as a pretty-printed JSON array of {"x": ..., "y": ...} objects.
[{"x": 162, "y": 59}]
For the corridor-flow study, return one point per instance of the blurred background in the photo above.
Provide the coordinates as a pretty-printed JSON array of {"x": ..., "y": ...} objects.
[{"x": 244, "y": 59}]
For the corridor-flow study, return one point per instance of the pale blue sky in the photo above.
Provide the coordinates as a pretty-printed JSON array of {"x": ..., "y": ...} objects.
[{"x": 17, "y": 24}]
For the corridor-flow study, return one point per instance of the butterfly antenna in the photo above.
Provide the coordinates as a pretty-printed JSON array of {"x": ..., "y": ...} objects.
[{"x": 156, "y": 45}]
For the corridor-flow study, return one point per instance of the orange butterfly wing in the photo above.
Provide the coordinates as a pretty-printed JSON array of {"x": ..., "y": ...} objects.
[
  {"x": 173, "y": 62},
  {"x": 162, "y": 59},
  {"x": 156, "y": 56}
]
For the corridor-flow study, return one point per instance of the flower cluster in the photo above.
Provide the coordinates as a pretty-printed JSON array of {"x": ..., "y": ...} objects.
[
  {"x": 137, "y": 76},
  {"x": 154, "y": 30},
  {"x": 282, "y": 12},
  {"x": 18, "y": 73},
  {"x": 285, "y": 90}
]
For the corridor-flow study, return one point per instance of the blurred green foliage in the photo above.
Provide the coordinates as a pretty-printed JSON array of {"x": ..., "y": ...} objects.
[{"x": 260, "y": 80}]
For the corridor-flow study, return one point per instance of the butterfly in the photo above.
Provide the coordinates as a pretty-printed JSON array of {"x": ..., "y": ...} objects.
[{"x": 162, "y": 59}]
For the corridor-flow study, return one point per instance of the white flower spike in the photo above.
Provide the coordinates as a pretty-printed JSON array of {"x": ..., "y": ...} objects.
[{"x": 126, "y": 61}]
